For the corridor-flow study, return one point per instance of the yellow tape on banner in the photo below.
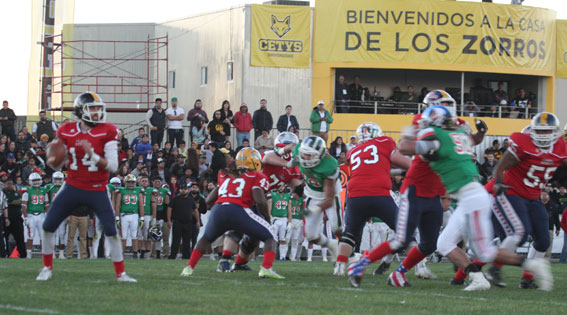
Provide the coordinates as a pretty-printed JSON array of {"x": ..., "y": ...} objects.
[
  {"x": 280, "y": 36},
  {"x": 562, "y": 49}
]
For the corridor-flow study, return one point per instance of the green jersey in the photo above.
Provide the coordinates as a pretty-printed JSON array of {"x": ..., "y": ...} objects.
[
  {"x": 37, "y": 198},
  {"x": 453, "y": 160},
  {"x": 315, "y": 177},
  {"x": 296, "y": 208},
  {"x": 129, "y": 202},
  {"x": 148, "y": 192},
  {"x": 280, "y": 203},
  {"x": 376, "y": 220},
  {"x": 160, "y": 198},
  {"x": 52, "y": 191}
]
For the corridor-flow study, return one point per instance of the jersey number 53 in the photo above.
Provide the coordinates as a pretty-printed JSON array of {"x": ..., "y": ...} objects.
[{"x": 355, "y": 159}]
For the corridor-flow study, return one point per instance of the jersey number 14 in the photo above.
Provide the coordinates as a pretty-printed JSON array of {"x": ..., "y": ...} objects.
[{"x": 86, "y": 160}]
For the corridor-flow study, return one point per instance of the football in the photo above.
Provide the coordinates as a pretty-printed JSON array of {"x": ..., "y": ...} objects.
[{"x": 56, "y": 153}]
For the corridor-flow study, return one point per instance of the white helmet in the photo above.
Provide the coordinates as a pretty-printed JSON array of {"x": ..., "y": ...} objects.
[
  {"x": 368, "y": 131},
  {"x": 35, "y": 179},
  {"x": 285, "y": 138},
  {"x": 315, "y": 148},
  {"x": 116, "y": 181},
  {"x": 545, "y": 122},
  {"x": 58, "y": 178},
  {"x": 528, "y": 128}
]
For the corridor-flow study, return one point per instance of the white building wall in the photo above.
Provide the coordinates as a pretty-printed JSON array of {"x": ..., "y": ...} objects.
[{"x": 561, "y": 100}]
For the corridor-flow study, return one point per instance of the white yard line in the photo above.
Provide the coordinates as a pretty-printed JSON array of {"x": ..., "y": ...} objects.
[{"x": 28, "y": 309}]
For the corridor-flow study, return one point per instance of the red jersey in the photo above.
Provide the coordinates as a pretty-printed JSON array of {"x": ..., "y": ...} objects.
[
  {"x": 82, "y": 172},
  {"x": 279, "y": 176},
  {"x": 369, "y": 165},
  {"x": 427, "y": 183},
  {"x": 535, "y": 167},
  {"x": 238, "y": 190}
]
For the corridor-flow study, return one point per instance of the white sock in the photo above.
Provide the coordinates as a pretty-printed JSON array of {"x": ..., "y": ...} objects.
[
  {"x": 28, "y": 252},
  {"x": 115, "y": 248},
  {"x": 48, "y": 244},
  {"x": 106, "y": 247},
  {"x": 61, "y": 253},
  {"x": 283, "y": 251},
  {"x": 293, "y": 254},
  {"x": 91, "y": 252},
  {"x": 309, "y": 253},
  {"x": 324, "y": 252}
]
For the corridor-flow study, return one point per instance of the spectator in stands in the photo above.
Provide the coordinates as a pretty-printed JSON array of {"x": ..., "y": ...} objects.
[
  {"x": 155, "y": 119},
  {"x": 521, "y": 102},
  {"x": 228, "y": 146},
  {"x": 44, "y": 126},
  {"x": 554, "y": 223},
  {"x": 173, "y": 185},
  {"x": 170, "y": 158},
  {"x": 504, "y": 147},
  {"x": 226, "y": 116},
  {"x": 197, "y": 111},
  {"x": 218, "y": 129},
  {"x": 488, "y": 166},
  {"x": 397, "y": 182},
  {"x": 7, "y": 121},
  {"x": 245, "y": 144},
  {"x": 410, "y": 96},
  {"x": 478, "y": 166},
  {"x": 471, "y": 109},
  {"x": 160, "y": 171},
  {"x": 287, "y": 120},
  {"x": 79, "y": 219},
  {"x": 137, "y": 139},
  {"x": 353, "y": 143},
  {"x": 192, "y": 161},
  {"x": 321, "y": 120},
  {"x": 144, "y": 147},
  {"x": 494, "y": 149},
  {"x": 177, "y": 168},
  {"x": 396, "y": 95},
  {"x": 10, "y": 166},
  {"x": 243, "y": 123},
  {"x": 188, "y": 176},
  {"x": 342, "y": 158},
  {"x": 205, "y": 149},
  {"x": 262, "y": 119},
  {"x": 27, "y": 135},
  {"x": 265, "y": 142},
  {"x": 501, "y": 96},
  {"x": 198, "y": 131},
  {"x": 337, "y": 147},
  {"x": 123, "y": 140},
  {"x": 562, "y": 197},
  {"x": 341, "y": 95},
  {"x": 218, "y": 161},
  {"x": 203, "y": 166},
  {"x": 30, "y": 167},
  {"x": 424, "y": 92},
  {"x": 356, "y": 93},
  {"x": 553, "y": 193},
  {"x": 175, "y": 115},
  {"x": 480, "y": 94},
  {"x": 21, "y": 144}
]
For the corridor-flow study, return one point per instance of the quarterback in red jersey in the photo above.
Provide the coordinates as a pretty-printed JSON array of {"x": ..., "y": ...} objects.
[
  {"x": 92, "y": 153},
  {"x": 368, "y": 187},
  {"x": 238, "y": 190}
]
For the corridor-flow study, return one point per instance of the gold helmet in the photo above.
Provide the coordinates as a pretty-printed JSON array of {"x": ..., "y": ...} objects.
[
  {"x": 130, "y": 181},
  {"x": 249, "y": 158}
]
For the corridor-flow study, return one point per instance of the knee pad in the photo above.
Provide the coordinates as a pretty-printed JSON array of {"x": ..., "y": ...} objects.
[
  {"x": 248, "y": 244},
  {"x": 349, "y": 239},
  {"x": 397, "y": 246},
  {"x": 444, "y": 248},
  {"x": 234, "y": 235},
  {"x": 427, "y": 248}
]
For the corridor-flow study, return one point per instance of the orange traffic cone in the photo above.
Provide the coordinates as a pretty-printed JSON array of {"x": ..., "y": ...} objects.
[{"x": 15, "y": 253}]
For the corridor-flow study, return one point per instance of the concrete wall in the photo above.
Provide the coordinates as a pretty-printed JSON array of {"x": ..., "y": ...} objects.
[{"x": 561, "y": 100}]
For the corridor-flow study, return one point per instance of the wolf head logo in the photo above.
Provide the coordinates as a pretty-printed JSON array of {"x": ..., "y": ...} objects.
[{"x": 281, "y": 27}]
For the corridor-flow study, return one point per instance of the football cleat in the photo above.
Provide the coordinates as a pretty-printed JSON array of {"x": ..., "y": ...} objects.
[
  {"x": 125, "y": 278},
  {"x": 356, "y": 271},
  {"x": 423, "y": 272},
  {"x": 223, "y": 266},
  {"x": 241, "y": 267},
  {"x": 282, "y": 258},
  {"x": 398, "y": 279},
  {"x": 494, "y": 276},
  {"x": 478, "y": 282},
  {"x": 384, "y": 266},
  {"x": 527, "y": 283},
  {"x": 354, "y": 258},
  {"x": 187, "y": 271},
  {"x": 333, "y": 246},
  {"x": 541, "y": 271},
  {"x": 339, "y": 269},
  {"x": 456, "y": 282},
  {"x": 44, "y": 274},
  {"x": 269, "y": 273}
]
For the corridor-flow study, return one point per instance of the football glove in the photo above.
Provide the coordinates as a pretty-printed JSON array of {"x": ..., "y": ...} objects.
[
  {"x": 500, "y": 188},
  {"x": 409, "y": 132},
  {"x": 117, "y": 219},
  {"x": 480, "y": 125},
  {"x": 141, "y": 223},
  {"x": 280, "y": 151}
]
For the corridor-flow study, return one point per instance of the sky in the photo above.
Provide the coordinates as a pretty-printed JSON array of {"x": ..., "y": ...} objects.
[{"x": 15, "y": 23}]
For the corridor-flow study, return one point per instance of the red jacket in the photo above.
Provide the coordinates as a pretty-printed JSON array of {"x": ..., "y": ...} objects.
[
  {"x": 564, "y": 221},
  {"x": 241, "y": 122}
]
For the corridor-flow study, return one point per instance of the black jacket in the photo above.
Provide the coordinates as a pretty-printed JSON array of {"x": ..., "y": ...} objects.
[
  {"x": 262, "y": 120},
  {"x": 215, "y": 126},
  {"x": 218, "y": 163},
  {"x": 282, "y": 123},
  {"x": 553, "y": 212},
  {"x": 8, "y": 112}
]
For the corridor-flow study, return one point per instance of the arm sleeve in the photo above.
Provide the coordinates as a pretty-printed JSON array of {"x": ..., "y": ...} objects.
[
  {"x": 148, "y": 117},
  {"x": 111, "y": 155},
  {"x": 25, "y": 196}
]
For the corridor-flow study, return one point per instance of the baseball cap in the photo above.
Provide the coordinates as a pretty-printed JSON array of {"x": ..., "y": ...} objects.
[
  {"x": 320, "y": 102},
  {"x": 159, "y": 160},
  {"x": 224, "y": 150},
  {"x": 243, "y": 105},
  {"x": 11, "y": 155},
  {"x": 174, "y": 99},
  {"x": 353, "y": 137},
  {"x": 3, "y": 173},
  {"x": 186, "y": 186}
]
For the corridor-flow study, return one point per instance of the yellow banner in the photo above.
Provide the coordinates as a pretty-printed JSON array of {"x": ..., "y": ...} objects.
[
  {"x": 562, "y": 49},
  {"x": 433, "y": 32},
  {"x": 280, "y": 36}
]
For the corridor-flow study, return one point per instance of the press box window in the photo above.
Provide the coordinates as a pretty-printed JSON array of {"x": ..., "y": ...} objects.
[
  {"x": 171, "y": 79},
  {"x": 203, "y": 75},
  {"x": 229, "y": 75}
]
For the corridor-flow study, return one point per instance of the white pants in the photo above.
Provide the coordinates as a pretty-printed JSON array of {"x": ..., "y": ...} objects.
[
  {"x": 471, "y": 221},
  {"x": 143, "y": 231},
  {"x": 279, "y": 226},
  {"x": 35, "y": 222},
  {"x": 313, "y": 226},
  {"x": 61, "y": 234},
  {"x": 129, "y": 226},
  {"x": 296, "y": 232}
]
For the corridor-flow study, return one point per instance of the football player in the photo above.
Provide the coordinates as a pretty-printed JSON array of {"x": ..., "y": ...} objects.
[
  {"x": 281, "y": 217},
  {"x": 111, "y": 189},
  {"x": 295, "y": 229},
  {"x": 162, "y": 200},
  {"x": 61, "y": 237},
  {"x": 368, "y": 187},
  {"x": 238, "y": 190},
  {"x": 35, "y": 203},
  {"x": 150, "y": 198},
  {"x": 91, "y": 154},
  {"x": 130, "y": 211}
]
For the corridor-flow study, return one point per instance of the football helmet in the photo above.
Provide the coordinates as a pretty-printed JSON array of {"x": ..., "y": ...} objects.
[
  {"x": 438, "y": 97},
  {"x": 83, "y": 108},
  {"x": 35, "y": 179},
  {"x": 57, "y": 178},
  {"x": 528, "y": 128},
  {"x": 313, "y": 147},
  {"x": 438, "y": 116},
  {"x": 248, "y": 158},
  {"x": 116, "y": 181},
  {"x": 155, "y": 233},
  {"x": 545, "y": 129},
  {"x": 368, "y": 131},
  {"x": 285, "y": 138},
  {"x": 130, "y": 181}
]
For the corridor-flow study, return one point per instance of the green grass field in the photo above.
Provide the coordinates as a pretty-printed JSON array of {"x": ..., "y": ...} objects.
[{"x": 89, "y": 287}]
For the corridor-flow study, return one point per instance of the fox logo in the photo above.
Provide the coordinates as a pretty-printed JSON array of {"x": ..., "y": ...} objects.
[{"x": 281, "y": 27}]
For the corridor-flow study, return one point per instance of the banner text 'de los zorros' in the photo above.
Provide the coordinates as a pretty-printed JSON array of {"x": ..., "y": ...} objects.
[
  {"x": 435, "y": 32},
  {"x": 280, "y": 36}
]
